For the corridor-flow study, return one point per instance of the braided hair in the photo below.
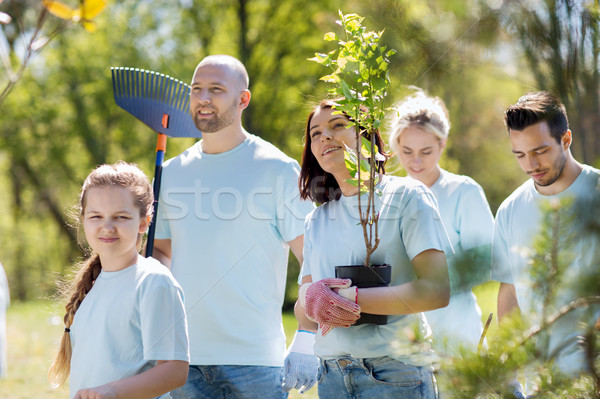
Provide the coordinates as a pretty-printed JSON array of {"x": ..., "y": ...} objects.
[{"x": 120, "y": 174}]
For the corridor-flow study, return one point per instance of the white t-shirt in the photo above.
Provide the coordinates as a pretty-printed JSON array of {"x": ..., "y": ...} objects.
[
  {"x": 409, "y": 223},
  {"x": 469, "y": 223},
  {"x": 518, "y": 223},
  {"x": 4, "y": 302},
  {"x": 229, "y": 216},
  {"x": 128, "y": 320}
]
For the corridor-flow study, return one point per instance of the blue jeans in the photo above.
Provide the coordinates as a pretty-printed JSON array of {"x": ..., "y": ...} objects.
[
  {"x": 232, "y": 382},
  {"x": 381, "y": 377}
]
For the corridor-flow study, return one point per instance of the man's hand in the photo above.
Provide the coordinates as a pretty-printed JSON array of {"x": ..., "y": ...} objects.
[
  {"x": 300, "y": 364},
  {"x": 322, "y": 305}
]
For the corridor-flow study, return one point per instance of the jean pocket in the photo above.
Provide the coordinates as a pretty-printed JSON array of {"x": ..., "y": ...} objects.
[
  {"x": 319, "y": 373},
  {"x": 393, "y": 372}
]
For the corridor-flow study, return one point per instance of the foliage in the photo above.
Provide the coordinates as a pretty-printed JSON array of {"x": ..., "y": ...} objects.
[
  {"x": 459, "y": 54},
  {"x": 560, "y": 41},
  {"x": 37, "y": 40},
  {"x": 61, "y": 120},
  {"x": 84, "y": 14},
  {"x": 361, "y": 78},
  {"x": 520, "y": 346}
]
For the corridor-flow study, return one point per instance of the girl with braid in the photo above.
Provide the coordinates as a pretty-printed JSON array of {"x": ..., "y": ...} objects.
[{"x": 125, "y": 326}]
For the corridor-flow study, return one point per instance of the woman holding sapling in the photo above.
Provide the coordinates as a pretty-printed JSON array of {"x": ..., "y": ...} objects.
[
  {"x": 368, "y": 360},
  {"x": 419, "y": 135}
]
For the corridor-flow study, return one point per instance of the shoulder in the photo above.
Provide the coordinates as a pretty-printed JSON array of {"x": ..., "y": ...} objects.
[
  {"x": 183, "y": 158},
  {"x": 266, "y": 151},
  {"x": 402, "y": 186},
  {"x": 591, "y": 173},
  {"x": 151, "y": 270},
  {"x": 320, "y": 210},
  {"x": 459, "y": 183},
  {"x": 524, "y": 194}
]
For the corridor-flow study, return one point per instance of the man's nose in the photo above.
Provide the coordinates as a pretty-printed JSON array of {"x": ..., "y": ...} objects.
[
  {"x": 202, "y": 96},
  {"x": 533, "y": 162}
]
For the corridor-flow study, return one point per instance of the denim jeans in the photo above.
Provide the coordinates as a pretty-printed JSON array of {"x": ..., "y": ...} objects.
[
  {"x": 381, "y": 378},
  {"x": 232, "y": 382}
]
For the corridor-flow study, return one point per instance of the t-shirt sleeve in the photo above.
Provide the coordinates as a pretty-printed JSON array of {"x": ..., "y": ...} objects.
[
  {"x": 291, "y": 209},
  {"x": 476, "y": 225},
  {"x": 162, "y": 229},
  {"x": 163, "y": 320},
  {"x": 421, "y": 225},
  {"x": 306, "y": 254},
  {"x": 4, "y": 290},
  {"x": 500, "y": 250}
]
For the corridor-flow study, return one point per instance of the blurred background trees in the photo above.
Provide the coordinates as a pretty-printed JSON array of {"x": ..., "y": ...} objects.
[{"x": 60, "y": 119}]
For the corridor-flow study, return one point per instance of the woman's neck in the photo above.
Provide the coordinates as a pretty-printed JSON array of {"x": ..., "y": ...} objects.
[{"x": 430, "y": 179}]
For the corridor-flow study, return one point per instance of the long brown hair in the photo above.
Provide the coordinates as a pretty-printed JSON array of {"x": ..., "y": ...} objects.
[
  {"x": 120, "y": 174},
  {"x": 316, "y": 184}
]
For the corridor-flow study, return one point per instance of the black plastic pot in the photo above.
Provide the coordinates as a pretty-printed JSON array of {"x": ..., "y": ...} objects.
[{"x": 367, "y": 277}]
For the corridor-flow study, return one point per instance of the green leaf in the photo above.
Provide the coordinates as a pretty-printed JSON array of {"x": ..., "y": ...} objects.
[
  {"x": 333, "y": 78},
  {"x": 365, "y": 166},
  {"x": 320, "y": 58},
  {"x": 348, "y": 93},
  {"x": 352, "y": 182},
  {"x": 330, "y": 37},
  {"x": 350, "y": 161}
]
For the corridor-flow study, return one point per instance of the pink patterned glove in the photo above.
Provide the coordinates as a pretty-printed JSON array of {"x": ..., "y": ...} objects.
[{"x": 327, "y": 308}]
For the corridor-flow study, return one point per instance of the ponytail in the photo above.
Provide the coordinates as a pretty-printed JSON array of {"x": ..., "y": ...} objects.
[{"x": 82, "y": 284}]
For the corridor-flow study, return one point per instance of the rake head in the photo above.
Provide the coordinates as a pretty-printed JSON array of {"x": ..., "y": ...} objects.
[{"x": 158, "y": 100}]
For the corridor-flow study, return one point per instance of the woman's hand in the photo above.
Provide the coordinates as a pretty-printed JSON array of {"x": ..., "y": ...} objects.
[
  {"x": 102, "y": 392},
  {"x": 322, "y": 305}
]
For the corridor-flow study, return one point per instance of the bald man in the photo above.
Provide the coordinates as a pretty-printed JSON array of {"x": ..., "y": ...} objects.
[{"x": 228, "y": 215}]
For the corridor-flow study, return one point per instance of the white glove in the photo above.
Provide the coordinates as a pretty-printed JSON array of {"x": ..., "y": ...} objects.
[{"x": 300, "y": 365}]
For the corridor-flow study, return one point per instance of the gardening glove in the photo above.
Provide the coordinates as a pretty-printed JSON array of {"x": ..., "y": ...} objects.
[
  {"x": 300, "y": 365},
  {"x": 325, "y": 307}
]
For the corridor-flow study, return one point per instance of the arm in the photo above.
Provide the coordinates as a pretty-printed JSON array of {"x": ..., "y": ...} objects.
[
  {"x": 304, "y": 323},
  {"x": 507, "y": 301},
  {"x": 162, "y": 252},
  {"x": 431, "y": 289},
  {"x": 164, "y": 377},
  {"x": 300, "y": 364},
  {"x": 476, "y": 230}
]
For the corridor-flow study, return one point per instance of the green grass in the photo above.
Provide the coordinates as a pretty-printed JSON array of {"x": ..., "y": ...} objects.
[
  {"x": 34, "y": 331},
  {"x": 35, "y": 328}
]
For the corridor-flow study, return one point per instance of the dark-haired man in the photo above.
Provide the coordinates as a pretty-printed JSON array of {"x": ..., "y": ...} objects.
[{"x": 541, "y": 139}]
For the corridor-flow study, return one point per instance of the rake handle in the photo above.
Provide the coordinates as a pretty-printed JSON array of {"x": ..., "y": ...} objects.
[{"x": 161, "y": 147}]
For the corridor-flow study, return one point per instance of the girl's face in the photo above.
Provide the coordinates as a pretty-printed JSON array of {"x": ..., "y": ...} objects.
[
  {"x": 419, "y": 151},
  {"x": 328, "y": 138},
  {"x": 112, "y": 222}
]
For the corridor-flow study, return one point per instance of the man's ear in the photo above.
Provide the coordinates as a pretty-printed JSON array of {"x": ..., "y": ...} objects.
[
  {"x": 245, "y": 99},
  {"x": 566, "y": 139}
]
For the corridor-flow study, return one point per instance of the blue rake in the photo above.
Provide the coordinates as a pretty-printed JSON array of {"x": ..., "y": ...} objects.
[{"x": 163, "y": 104}]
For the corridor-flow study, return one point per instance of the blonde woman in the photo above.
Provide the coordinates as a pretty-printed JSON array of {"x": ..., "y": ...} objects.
[{"x": 419, "y": 135}]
